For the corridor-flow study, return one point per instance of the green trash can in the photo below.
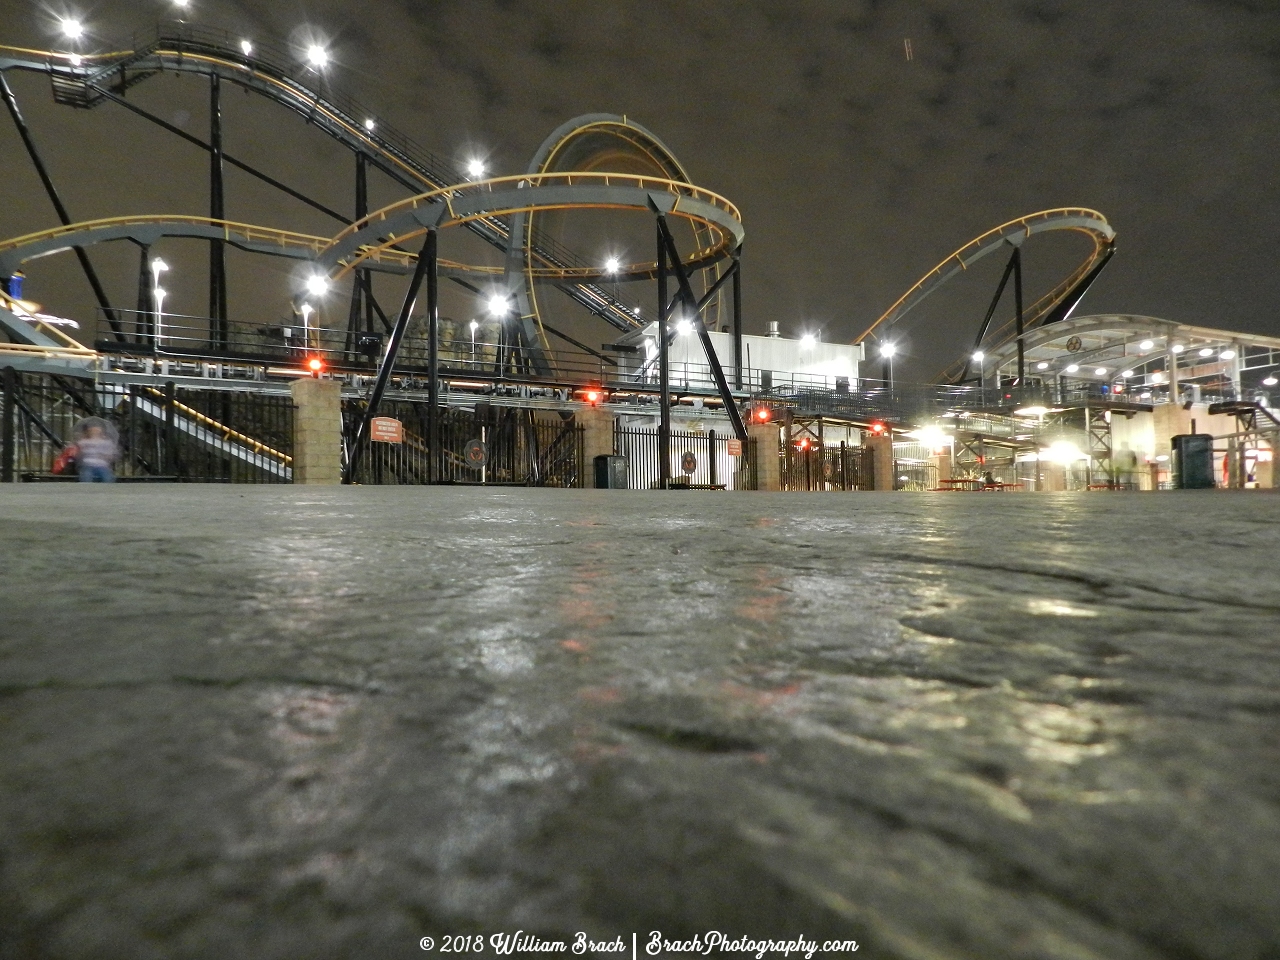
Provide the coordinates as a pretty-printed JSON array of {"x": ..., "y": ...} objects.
[{"x": 1192, "y": 461}]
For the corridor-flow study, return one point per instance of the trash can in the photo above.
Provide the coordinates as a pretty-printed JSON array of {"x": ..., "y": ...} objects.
[
  {"x": 611, "y": 472},
  {"x": 1192, "y": 461}
]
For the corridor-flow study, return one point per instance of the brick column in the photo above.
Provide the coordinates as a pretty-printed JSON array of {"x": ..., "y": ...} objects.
[
  {"x": 768, "y": 464},
  {"x": 597, "y": 438},
  {"x": 881, "y": 448},
  {"x": 317, "y": 431}
]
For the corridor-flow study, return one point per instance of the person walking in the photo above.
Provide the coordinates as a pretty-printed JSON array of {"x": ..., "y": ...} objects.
[{"x": 96, "y": 453}]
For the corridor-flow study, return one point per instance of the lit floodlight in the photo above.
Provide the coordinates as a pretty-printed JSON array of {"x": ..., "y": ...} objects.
[
  {"x": 76, "y": 59},
  {"x": 887, "y": 350},
  {"x": 475, "y": 169},
  {"x": 684, "y": 328},
  {"x": 317, "y": 284},
  {"x": 1227, "y": 355},
  {"x": 1206, "y": 352},
  {"x": 474, "y": 325},
  {"x": 498, "y": 305},
  {"x": 317, "y": 56},
  {"x": 1270, "y": 382},
  {"x": 978, "y": 356},
  {"x": 1177, "y": 348},
  {"x": 1042, "y": 365},
  {"x": 932, "y": 438},
  {"x": 612, "y": 265},
  {"x": 1126, "y": 374},
  {"x": 181, "y": 4},
  {"x": 808, "y": 341},
  {"x": 1100, "y": 372},
  {"x": 1035, "y": 410},
  {"x": 1063, "y": 452},
  {"x": 1073, "y": 368},
  {"x": 370, "y": 124},
  {"x": 1146, "y": 345},
  {"x": 160, "y": 293},
  {"x": 635, "y": 311},
  {"x": 72, "y": 28},
  {"x": 246, "y": 47}
]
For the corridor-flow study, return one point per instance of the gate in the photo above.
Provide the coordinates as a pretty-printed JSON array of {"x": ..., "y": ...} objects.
[
  {"x": 529, "y": 448},
  {"x": 713, "y": 467}
]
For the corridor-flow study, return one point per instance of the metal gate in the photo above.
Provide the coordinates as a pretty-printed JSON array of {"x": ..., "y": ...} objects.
[
  {"x": 707, "y": 453},
  {"x": 532, "y": 448}
]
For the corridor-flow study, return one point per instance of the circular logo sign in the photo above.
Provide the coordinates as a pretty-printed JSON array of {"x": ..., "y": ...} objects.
[
  {"x": 688, "y": 462},
  {"x": 1074, "y": 344},
  {"x": 476, "y": 454}
]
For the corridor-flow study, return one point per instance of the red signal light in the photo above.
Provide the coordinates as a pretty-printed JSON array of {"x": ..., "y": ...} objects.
[
  {"x": 593, "y": 397},
  {"x": 877, "y": 428},
  {"x": 315, "y": 365},
  {"x": 762, "y": 414}
]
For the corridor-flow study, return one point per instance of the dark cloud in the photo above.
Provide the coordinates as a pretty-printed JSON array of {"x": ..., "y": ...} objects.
[{"x": 856, "y": 169}]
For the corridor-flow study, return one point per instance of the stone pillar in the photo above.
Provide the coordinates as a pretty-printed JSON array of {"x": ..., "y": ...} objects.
[
  {"x": 1265, "y": 472},
  {"x": 942, "y": 464},
  {"x": 881, "y": 448},
  {"x": 768, "y": 464},
  {"x": 597, "y": 438},
  {"x": 317, "y": 431}
]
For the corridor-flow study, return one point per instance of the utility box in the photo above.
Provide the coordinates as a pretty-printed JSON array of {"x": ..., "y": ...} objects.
[
  {"x": 1192, "y": 461},
  {"x": 611, "y": 472}
]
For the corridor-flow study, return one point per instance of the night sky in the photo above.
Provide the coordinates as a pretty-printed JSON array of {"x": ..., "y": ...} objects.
[{"x": 856, "y": 169}]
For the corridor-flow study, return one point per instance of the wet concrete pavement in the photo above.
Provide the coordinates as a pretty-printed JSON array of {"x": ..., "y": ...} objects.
[{"x": 296, "y": 723}]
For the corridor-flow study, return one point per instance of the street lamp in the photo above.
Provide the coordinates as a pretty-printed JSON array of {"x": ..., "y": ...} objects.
[
  {"x": 71, "y": 28},
  {"x": 498, "y": 306},
  {"x": 317, "y": 285},
  {"x": 317, "y": 56},
  {"x": 246, "y": 47},
  {"x": 158, "y": 267},
  {"x": 306, "y": 310},
  {"x": 159, "y": 294},
  {"x": 474, "y": 327},
  {"x": 887, "y": 350},
  {"x": 475, "y": 169},
  {"x": 612, "y": 265}
]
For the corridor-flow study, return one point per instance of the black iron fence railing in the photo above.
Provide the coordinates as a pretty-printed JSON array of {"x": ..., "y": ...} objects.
[
  {"x": 211, "y": 436},
  {"x": 697, "y": 459},
  {"x": 522, "y": 447},
  {"x": 815, "y": 467}
]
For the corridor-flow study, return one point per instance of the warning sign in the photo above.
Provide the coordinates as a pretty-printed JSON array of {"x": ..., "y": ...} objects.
[
  {"x": 735, "y": 447},
  {"x": 386, "y": 430}
]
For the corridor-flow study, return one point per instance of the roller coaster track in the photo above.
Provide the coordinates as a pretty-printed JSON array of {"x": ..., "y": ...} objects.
[
  {"x": 1014, "y": 233},
  {"x": 90, "y": 80}
]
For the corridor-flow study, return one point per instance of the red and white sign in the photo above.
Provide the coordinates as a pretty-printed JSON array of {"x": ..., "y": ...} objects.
[
  {"x": 735, "y": 448},
  {"x": 386, "y": 430}
]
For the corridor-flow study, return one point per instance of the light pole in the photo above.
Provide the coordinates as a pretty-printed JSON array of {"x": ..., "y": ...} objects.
[
  {"x": 306, "y": 310},
  {"x": 978, "y": 357},
  {"x": 474, "y": 327},
  {"x": 159, "y": 293},
  {"x": 499, "y": 307},
  {"x": 887, "y": 350},
  {"x": 158, "y": 267}
]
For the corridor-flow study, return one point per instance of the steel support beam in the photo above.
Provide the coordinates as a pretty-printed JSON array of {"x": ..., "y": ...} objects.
[
  {"x": 737, "y": 318},
  {"x": 218, "y": 333},
  {"x": 90, "y": 274},
  {"x": 426, "y": 263},
  {"x": 991, "y": 311},
  {"x": 664, "y": 368},
  {"x": 717, "y": 373},
  {"x": 429, "y": 253},
  {"x": 1017, "y": 299},
  {"x": 8, "y": 408}
]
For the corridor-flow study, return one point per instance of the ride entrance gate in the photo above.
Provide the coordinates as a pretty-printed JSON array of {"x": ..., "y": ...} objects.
[{"x": 492, "y": 445}]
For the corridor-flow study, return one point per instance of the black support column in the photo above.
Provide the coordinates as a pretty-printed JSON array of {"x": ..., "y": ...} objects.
[
  {"x": 737, "y": 318},
  {"x": 217, "y": 210},
  {"x": 8, "y": 448},
  {"x": 664, "y": 370},
  {"x": 429, "y": 252}
]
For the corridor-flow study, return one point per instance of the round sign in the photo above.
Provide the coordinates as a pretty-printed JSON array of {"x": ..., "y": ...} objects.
[
  {"x": 1074, "y": 345},
  {"x": 688, "y": 462},
  {"x": 476, "y": 454}
]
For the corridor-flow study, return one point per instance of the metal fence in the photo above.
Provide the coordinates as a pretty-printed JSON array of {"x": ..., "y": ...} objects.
[
  {"x": 524, "y": 447},
  {"x": 211, "y": 436},
  {"x": 816, "y": 466},
  {"x": 707, "y": 454}
]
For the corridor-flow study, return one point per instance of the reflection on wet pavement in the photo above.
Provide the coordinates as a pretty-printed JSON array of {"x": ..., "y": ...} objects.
[{"x": 243, "y": 722}]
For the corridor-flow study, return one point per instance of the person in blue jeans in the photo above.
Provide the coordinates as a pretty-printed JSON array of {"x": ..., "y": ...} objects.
[{"x": 95, "y": 454}]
